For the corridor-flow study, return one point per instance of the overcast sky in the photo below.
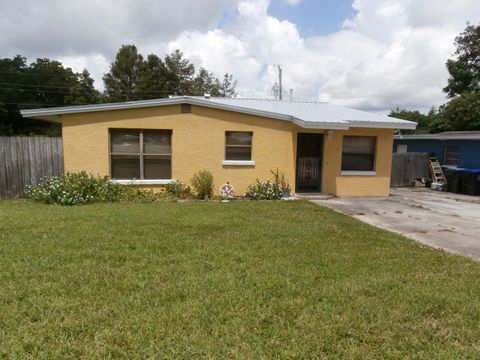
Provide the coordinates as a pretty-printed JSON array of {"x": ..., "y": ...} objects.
[{"x": 367, "y": 54}]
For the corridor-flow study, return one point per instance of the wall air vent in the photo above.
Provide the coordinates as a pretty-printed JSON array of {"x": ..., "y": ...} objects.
[{"x": 186, "y": 108}]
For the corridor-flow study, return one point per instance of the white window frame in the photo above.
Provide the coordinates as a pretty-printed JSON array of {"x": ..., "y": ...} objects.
[
  {"x": 372, "y": 172},
  {"x": 250, "y": 162},
  {"x": 141, "y": 154}
]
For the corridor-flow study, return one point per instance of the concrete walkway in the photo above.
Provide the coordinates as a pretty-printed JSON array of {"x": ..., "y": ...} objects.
[{"x": 439, "y": 219}]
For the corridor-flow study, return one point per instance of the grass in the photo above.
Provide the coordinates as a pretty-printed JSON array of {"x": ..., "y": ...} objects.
[{"x": 247, "y": 280}]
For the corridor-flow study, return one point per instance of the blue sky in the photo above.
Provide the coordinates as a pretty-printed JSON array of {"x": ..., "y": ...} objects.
[{"x": 314, "y": 17}]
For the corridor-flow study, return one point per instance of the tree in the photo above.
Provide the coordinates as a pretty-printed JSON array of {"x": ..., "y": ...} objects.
[
  {"x": 43, "y": 83},
  {"x": 425, "y": 122},
  {"x": 133, "y": 78},
  {"x": 206, "y": 83},
  {"x": 84, "y": 92},
  {"x": 180, "y": 74},
  {"x": 154, "y": 79},
  {"x": 228, "y": 86},
  {"x": 465, "y": 69},
  {"x": 125, "y": 72},
  {"x": 461, "y": 113}
]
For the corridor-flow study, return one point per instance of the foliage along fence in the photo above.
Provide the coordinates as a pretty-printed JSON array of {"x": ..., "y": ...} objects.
[
  {"x": 408, "y": 166},
  {"x": 25, "y": 160}
]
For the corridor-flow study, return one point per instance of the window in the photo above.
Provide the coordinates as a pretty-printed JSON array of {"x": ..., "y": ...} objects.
[
  {"x": 451, "y": 155},
  {"x": 358, "y": 153},
  {"x": 141, "y": 154},
  {"x": 238, "y": 146},
  {"x": 402, "y": 148}
]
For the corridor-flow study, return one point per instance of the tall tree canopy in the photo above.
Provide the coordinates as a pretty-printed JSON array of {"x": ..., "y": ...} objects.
[
  {"x": 43, "y": 83},
  {"x": 465, "y": 69},
  {"x": 47, "y": 83},
  {"x": 131, "y": 77},
  {"x": 426, "y": 123},
  {"x": 462, "y": 111},
  {"x": 121, "y": 83}
]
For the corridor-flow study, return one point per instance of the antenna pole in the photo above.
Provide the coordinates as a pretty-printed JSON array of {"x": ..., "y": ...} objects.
[{"x": 280, "y": 90}]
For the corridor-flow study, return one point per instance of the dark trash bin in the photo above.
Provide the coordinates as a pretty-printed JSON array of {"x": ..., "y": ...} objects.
[
  {"x": 454, "y": 180},
  {"x": 470, "y": 179}
]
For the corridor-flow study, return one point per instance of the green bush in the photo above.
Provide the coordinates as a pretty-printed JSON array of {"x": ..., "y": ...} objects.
[
  {"x": 264, "y": 190},
  {"x": 202, "y": 182},
  {"x": 83, "y": 188},
  {"x": 178, "y": 190}
]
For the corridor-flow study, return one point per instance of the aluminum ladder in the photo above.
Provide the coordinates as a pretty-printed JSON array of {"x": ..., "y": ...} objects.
[{"x": 438, "y": 175}]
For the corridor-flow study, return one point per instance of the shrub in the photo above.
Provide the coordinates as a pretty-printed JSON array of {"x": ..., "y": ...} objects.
[
  {"x": 264, "y": 190},
  {"x": 82, "y": 188},
  {"x": 202, "y": 182},
  {"x": 178, "y": 190}
]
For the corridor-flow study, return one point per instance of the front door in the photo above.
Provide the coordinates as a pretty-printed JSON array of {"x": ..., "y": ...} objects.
[{"x": 309, "y": 162}]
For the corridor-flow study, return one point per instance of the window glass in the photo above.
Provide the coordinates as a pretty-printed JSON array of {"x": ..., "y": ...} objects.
[
  {"x": 451, "y": 155},
  {"x": 125, "y": 141},
  {"x": 239, "y": 138},
  {"x": 238, "y": 153},
  {"x": 125, "y": 167},
  {"x": 238, "y": 145},
  {"x": 358, "y": 153},
  {"x": 141, "y": 154},
  {"x": 157, "y": 142},
  {"x": 157, "y": 167},
  {"x": 402, "y": 148}
]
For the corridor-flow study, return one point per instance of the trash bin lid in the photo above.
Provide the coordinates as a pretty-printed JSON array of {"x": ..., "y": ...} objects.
[{"x": 470, "y": 171}]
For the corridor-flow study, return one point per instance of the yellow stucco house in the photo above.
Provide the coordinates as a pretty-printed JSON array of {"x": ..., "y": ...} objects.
[{"x": 318, "y": 146}]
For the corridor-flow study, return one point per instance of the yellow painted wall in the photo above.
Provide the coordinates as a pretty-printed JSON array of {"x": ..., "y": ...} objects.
[
  {"x": 347, "y": 185},
  {"x": 198, "y": 142}
]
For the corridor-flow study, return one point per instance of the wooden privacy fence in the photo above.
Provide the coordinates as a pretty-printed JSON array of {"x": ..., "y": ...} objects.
[
  {"x": 25, "y": 160},
  {"x": 408, "y": 166}
]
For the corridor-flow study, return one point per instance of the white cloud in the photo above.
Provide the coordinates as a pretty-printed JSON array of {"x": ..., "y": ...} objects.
[
  {"x": 390, "y": 53},
  {"x": 292, "y": 2}
]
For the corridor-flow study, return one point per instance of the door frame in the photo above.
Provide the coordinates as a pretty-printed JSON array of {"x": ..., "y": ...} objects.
[{"x": 321, "y": 138}]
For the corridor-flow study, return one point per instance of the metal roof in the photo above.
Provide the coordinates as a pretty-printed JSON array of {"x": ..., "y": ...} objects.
[
  {"x": 316, "y": 115},
  {"x": 447, "y": 135}
]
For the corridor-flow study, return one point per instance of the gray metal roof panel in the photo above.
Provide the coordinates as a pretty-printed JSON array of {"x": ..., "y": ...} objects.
[{"x": 305, "y": 114}]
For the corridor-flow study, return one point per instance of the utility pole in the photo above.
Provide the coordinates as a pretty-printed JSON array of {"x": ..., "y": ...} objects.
[{"x": 280, "y": 90}]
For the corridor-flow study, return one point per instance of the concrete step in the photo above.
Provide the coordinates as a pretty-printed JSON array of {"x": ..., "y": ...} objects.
[{"x": 313, "y": 196}]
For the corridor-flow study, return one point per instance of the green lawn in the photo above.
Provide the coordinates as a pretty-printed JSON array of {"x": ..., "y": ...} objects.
[{"x": 246, "y": 280}]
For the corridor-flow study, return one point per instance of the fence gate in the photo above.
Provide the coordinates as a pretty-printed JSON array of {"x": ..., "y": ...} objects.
[
  {"x": 408, "y": 166},
  {"x": 24, "y": 160}
]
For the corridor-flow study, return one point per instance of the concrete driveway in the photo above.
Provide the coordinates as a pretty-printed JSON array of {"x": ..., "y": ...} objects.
[{"x": 439, "y": 219}]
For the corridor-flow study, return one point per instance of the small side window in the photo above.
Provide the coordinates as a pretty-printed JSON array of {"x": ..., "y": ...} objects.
[
  {"x": 451, "y": 156},
  {"x": 238, "y": 145},
  {"x": 358, "y": 153},
  {"x": 402, "y": 148}
]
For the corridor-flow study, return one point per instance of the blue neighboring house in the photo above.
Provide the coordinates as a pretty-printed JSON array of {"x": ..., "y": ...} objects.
[{"x": 452, "y": 148}]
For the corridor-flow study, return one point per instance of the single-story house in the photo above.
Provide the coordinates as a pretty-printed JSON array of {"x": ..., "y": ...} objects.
[
  {"x": 319, "y": 147},
  {"x": 452, "y": 148}
]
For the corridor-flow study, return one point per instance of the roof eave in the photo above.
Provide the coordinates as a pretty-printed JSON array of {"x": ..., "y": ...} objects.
[
  {"x": 407, "y": 125},
  {"x": 54, "y": 114},
  {"x": 319, "y": 125}
]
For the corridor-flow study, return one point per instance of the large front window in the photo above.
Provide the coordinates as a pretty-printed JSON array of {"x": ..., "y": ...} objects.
[
  {"x": 141, "y": 154},
  {"x": 358, "y": 153}
]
